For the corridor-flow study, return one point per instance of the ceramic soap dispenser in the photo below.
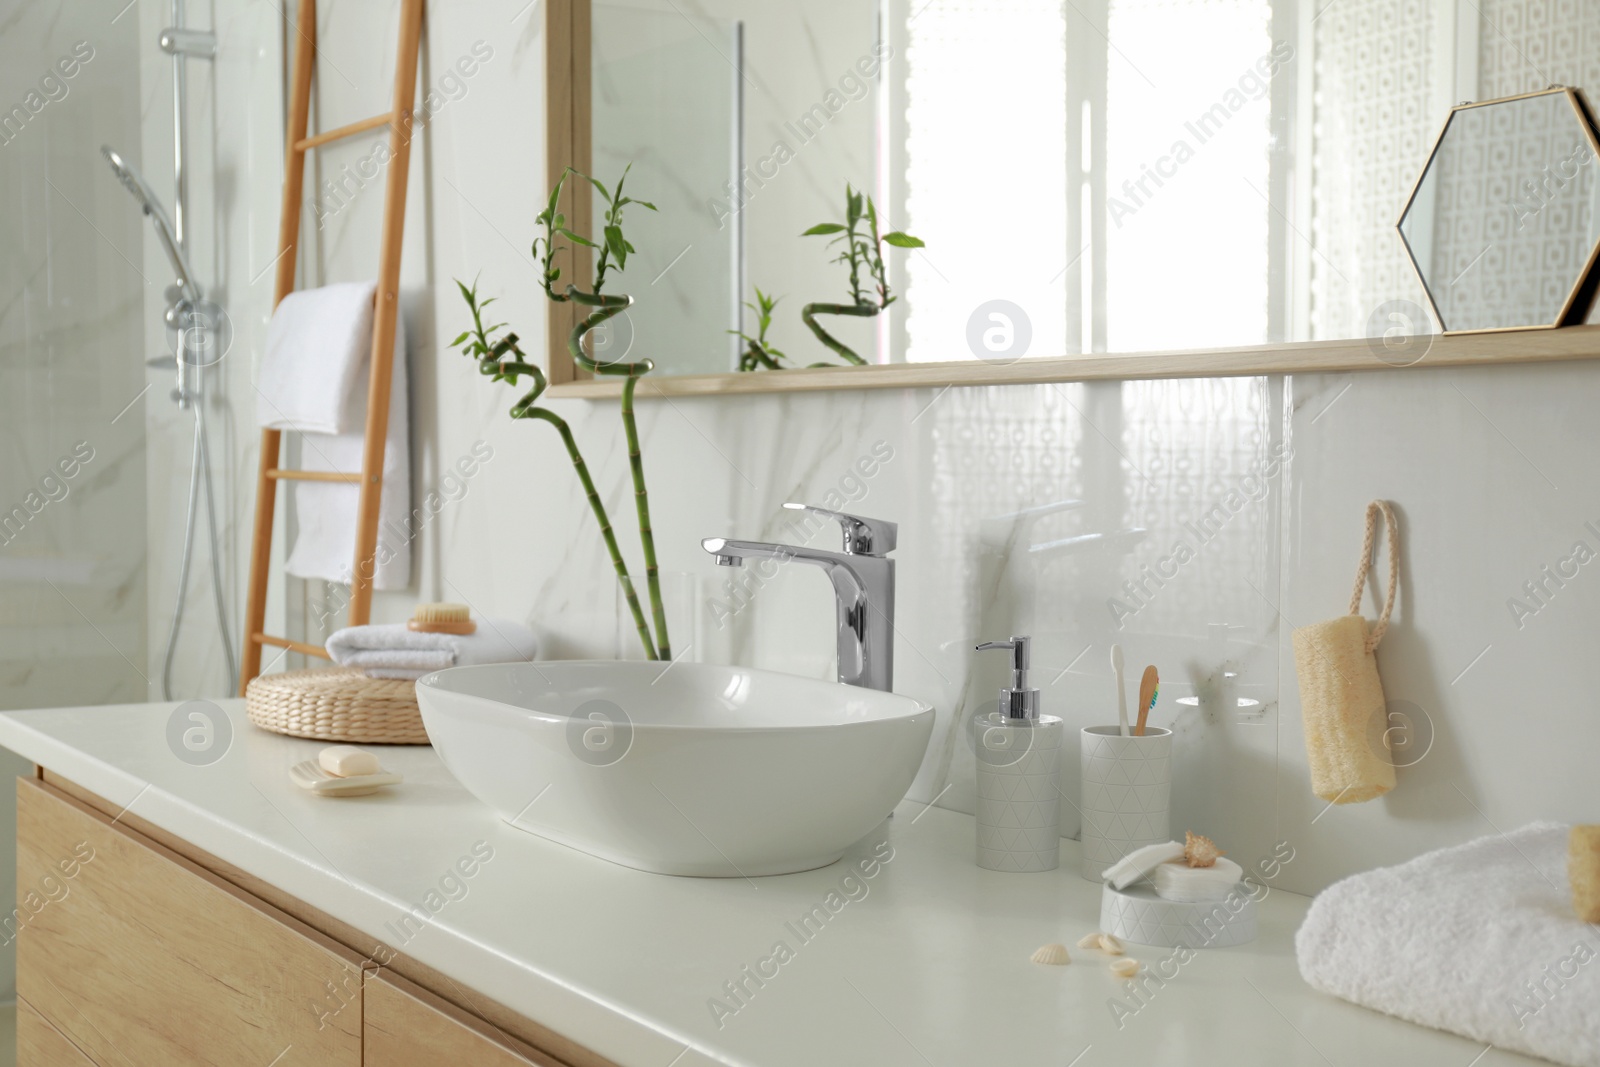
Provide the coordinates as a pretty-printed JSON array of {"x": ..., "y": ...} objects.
[{"x": 1019, "y": 774}]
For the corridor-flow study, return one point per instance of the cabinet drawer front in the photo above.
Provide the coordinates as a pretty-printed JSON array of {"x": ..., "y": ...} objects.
[
  {"x": 41, "y": 1045},
  {"x": 409, "y": 1027},
  {"x": 139, "y": 956}
]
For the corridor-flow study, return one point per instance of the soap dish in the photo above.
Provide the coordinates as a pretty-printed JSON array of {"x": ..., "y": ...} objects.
[
  {"x": 1136, "y": 914},
  {"x": 308, "y": 775}
]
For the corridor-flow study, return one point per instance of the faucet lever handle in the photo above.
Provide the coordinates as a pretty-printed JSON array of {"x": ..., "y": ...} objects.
[{"x": 862, "y": 536}]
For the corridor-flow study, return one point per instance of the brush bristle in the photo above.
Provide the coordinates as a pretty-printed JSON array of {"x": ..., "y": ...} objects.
[{"x": 442, "y": 613}]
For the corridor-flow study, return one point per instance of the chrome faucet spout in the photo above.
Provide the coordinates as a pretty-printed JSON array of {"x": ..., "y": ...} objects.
[{"x": 863, "y": 586}]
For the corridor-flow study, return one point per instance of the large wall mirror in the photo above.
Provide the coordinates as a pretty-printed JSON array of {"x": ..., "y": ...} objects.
[{"x": 1105, "y": 188}]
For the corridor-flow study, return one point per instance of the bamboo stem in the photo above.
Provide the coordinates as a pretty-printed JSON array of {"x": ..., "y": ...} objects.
[
  {"x": 607, "y": 306},
  {"x": 492, "y": 363},
  {"x": 808, "y": 316},
  {"x": 606, "y": 532},
  {"x": 647, "y": 537}
]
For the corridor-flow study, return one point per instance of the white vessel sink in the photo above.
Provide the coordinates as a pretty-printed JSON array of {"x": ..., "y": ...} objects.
[{"x": 687, "y": 769}]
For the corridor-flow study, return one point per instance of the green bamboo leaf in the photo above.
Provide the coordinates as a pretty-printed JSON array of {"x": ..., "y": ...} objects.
[
  {"x": 903, "y": 240},
  {"x": 577, "y": 238},
  {"x": 461, "y": 338},
  {"x": 618, "y": 246},
  {"x": 823, "y": 228}
]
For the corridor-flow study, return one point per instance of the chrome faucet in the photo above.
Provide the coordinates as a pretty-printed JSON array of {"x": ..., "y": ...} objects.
[{"x": 863, "y": 586}]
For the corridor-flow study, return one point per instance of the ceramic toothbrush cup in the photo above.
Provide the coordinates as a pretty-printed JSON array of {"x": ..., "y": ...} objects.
[{"x": 1127, "y": 789}]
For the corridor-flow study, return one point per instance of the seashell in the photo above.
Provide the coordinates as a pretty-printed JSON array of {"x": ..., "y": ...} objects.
[
  {"x": 1090, "y": 940},
  {"x": 1125, "y": 968},
  {"x": 1110, "y": 945},
  {"x": 1053, "y": 954},
  {"x": 1199, "y": 851}
]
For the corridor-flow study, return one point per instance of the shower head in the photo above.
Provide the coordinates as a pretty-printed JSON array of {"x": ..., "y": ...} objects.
[{"x": 134, "y": 182}]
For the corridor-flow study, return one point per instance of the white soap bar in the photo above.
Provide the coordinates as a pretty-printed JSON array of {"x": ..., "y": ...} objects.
[
  {"x": 1140, "y": 862},
  {"x": 348, "y": 761},
  {"x": 1178, "y": 881}
]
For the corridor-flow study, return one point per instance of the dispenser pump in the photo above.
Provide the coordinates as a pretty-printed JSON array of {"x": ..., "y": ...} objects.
[{"x": 1019, "y": 702}]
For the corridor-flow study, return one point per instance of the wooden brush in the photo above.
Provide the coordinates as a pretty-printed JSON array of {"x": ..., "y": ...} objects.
[
  {"x": 1149, "y": 686},
  {"x": 442, "y": 619}
]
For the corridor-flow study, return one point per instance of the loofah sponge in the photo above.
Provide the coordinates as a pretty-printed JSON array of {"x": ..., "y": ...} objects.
[
  {"x": 1583, "y": 871},
  {"x": 1343, "y": 708}
]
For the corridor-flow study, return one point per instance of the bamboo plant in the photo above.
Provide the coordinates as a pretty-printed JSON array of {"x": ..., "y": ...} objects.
[
  {"x": 501, "y": 359},
  {"x": 863, "y": 250},
  {"x": 759, "y": 353}
]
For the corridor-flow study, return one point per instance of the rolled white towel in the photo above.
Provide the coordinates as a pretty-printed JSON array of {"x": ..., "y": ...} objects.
[
  {"x": 392, "y": 650},
  {"x": 1479, "y": 939}
]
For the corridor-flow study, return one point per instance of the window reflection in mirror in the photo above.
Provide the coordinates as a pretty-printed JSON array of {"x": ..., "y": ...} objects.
[{"x": 1110, "y": 176}]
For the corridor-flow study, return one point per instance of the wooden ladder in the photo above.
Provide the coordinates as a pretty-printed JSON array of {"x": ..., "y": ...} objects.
[{"x": 370, "y": 478}]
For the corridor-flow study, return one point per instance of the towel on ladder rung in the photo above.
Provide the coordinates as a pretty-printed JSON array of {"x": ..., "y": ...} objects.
[{"x": 325, "y": 512}]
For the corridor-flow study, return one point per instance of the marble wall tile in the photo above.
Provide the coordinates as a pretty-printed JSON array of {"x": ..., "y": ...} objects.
[{"x": 72, "y": 551}]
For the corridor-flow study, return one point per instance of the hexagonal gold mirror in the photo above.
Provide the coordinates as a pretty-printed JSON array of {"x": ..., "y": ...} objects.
[{"x": 1503, "y": 226}]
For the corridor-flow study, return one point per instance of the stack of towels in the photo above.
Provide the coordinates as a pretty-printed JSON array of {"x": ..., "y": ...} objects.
[
  {"x": 314, "y": 379},
  {"x": 1480, "y": 939},
  {"x": 396, "y": 651}
]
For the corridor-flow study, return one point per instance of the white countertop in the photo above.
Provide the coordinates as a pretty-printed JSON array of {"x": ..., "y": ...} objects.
[{"x": 929, "y": 967}]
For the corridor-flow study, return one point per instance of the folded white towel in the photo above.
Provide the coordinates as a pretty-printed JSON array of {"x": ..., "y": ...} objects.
[
  {"x": 1479, "y": 939},
  {"x": 393, "y": 650},
  {"x": 325, "y": 512},
  {"x": 314, "y": 371}
]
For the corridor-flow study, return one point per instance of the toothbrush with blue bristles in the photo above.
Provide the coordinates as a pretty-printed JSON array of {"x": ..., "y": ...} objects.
[{"x": 1149, "y": 689}]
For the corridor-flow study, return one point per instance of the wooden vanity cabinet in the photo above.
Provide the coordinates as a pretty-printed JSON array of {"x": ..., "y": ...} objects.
[
  {"x": 41, "y": 1045},
  {"x": 137, "y": 956},
  {"x": 130, "y": 953},
  {"x": 406, "y": 1026}
]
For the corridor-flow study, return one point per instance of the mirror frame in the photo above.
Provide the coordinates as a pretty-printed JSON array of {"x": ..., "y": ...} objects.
[
  {"x": 1584, "y": 279},
  {"x": 568, "y": 140}
]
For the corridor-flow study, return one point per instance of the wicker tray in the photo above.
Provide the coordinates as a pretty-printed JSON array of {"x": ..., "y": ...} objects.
[{"x": 337, "y": 704}]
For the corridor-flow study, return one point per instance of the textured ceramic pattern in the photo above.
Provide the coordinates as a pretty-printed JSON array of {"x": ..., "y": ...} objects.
[
  {"x": 1138, "y": 915},
  {"x": 1018, "y": 802},
  {"x": 1127, "y": 792}
]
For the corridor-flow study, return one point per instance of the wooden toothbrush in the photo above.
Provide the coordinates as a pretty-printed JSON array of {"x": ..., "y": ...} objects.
[{"x": 1149, "y": 686}]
